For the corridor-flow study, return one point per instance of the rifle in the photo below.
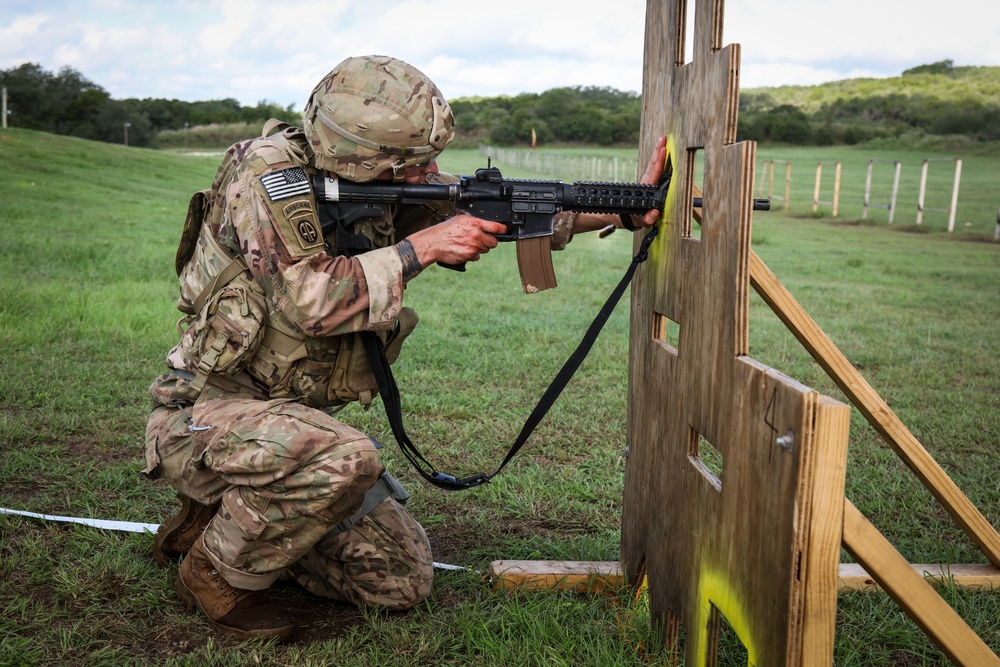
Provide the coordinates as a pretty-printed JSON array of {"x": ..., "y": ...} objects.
[{"x": 526, "y": 206}]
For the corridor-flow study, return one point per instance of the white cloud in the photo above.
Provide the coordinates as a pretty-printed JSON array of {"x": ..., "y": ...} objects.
[
  {"x": 258, "y": 49},
  {"x": 24, "y": 26}
]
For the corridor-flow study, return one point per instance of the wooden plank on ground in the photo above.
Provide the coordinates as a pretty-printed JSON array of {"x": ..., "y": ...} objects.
[
  {"x": 852, "y": 577},
  {"x": 556, "y": 574}
]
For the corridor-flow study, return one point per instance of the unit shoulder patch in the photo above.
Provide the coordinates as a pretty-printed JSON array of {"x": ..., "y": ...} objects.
[{"x": 293, "y": 210}]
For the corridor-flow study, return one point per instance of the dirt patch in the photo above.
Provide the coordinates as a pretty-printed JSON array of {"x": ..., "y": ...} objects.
[
  {"x": 93, "y": 450},
  {"x": 316, "y": 619}
]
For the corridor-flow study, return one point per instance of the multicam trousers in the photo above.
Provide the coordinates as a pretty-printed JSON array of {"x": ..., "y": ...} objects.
[{"x": 285, "y": 475}]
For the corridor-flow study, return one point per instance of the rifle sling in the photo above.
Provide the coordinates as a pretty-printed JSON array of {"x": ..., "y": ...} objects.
[{"x": 393, "y": 406}]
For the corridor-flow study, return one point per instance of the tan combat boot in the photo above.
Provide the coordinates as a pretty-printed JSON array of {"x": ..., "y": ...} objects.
[
  {"x": 232, "y": 611},
  {"x": 175, "y": 537}
]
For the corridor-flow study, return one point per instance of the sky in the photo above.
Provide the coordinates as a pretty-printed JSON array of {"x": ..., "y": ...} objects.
[{"x": 257, "y": 50}]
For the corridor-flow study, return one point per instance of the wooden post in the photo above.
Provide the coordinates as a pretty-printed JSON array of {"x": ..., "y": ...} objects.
[
  {"x": 895, "y": 191},
  {"x": 953, "y": 207},
  {"x": 836, "y": 191},
  {"x": 954, "y": 194},
  {"x": 3, "y": 111},
  {"x": 819, "y": 176},
  {"x": 834, "y": 203},
  {"x": 868, "y": 190},
  {"x": 923, "y": 192},
  {"x": 788, "y": 184},
  {"x": 769, "y": 169}
]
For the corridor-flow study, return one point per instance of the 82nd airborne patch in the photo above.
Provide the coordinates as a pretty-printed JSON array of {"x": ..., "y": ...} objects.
[{"x": 295, "y": 217}]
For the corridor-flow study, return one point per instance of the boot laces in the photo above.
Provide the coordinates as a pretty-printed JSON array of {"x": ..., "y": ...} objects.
[{"x": 232, "y": 595}]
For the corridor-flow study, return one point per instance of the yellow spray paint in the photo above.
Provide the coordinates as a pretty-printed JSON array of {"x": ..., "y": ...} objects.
[
  {"x": 659, "y": 244},
  {"x": 714, "y": 588}
]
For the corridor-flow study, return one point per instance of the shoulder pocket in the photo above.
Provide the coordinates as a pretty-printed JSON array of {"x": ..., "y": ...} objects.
[{"x": 229, "y": 329}]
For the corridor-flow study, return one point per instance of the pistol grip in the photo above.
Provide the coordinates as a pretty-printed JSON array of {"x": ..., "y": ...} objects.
[
  {"x": 454, "y": 267},
  {"x": 534, "y": 261}
]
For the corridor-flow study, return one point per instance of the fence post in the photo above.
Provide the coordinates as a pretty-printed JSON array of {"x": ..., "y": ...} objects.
[
  {"x": 788, "y": 184},
  {"x": 769, "y": 170},
  {"x": 836, "y": 191},
  {"x": 954, "y": 194},
  {"x": 819, "y": 175},
  {"x": 953, "y": 208},
  {"x": 923, "y": 191},
  {"x": 868, "y": 189},
  {"x": 835, "y": 203}
]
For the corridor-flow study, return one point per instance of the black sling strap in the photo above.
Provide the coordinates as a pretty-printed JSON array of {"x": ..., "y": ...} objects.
[{"x": 393, "y": 407}]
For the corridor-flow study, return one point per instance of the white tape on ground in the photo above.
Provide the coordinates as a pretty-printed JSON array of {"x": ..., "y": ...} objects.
[
  {"x": 132, "y": 527},
  {"x": 96, "y": 523}
]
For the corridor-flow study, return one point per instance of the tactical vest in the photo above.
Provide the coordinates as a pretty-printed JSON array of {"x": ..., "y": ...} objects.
[{"x": 230, "y": 327}]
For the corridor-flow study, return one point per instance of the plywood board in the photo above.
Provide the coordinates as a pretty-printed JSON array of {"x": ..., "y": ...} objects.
[{"x": 735, "y": 472}]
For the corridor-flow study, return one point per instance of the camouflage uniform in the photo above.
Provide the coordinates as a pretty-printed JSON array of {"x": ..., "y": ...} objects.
[
  {"x": 287, "y": 473},
  {"x": 270, "y": 340}
]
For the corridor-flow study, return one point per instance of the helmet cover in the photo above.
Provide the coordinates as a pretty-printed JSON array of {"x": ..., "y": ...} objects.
[{"x": 375, "y": 113}]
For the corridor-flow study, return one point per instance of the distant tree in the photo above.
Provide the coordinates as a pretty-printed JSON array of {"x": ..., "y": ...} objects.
[
  {"x": 786, "y": 123},
  {"x": 67, "y": 103},
  {"x": 59, "y": 103},
  {"x": 599, "y": 116},
  {"x": 940, "y": 67}
]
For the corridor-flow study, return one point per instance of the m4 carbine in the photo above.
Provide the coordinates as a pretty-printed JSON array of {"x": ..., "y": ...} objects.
[{"x": 526, "y": 207}]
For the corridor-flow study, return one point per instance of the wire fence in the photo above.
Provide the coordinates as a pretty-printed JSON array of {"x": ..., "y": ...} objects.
[
  {"x": 565, "y": 166},
  {"x": 880, "y": 186}
]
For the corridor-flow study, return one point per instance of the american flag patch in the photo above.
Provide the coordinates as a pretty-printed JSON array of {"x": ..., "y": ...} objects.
[{"x": 286, "y": 183}]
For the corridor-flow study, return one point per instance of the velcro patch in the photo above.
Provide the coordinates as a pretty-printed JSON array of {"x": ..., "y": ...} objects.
[
  {"x": 302, "y": 217},
  {"x": 298, "y": 226},
  {"x": 285, "y": 183}
]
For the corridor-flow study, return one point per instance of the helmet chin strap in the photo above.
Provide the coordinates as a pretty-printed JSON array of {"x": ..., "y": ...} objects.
[{"x": 398, "y": 170}]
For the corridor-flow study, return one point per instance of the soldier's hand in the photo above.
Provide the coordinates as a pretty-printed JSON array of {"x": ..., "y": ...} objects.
[
  {"x": 457, "y": 240},
  {"x": 654, "y": 170}
]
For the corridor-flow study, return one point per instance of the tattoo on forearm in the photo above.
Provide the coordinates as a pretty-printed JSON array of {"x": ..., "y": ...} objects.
[{"x": 411, "y": 265}]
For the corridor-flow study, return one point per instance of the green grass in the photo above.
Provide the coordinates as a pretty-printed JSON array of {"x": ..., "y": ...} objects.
[{"x": 86, "y": 317}]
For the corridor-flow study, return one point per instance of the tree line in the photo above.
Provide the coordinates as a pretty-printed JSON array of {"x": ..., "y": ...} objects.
[
  {"x": 933, "y": 99},
  {"x": 66, "y": 102}
]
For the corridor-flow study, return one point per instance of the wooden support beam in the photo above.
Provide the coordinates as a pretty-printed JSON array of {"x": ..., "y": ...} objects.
[
  {"x": 875, "y": 410},
  {"x": 913, "y": 594}
]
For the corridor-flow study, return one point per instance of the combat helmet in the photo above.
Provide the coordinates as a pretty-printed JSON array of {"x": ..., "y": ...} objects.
[{"x": 375, "y": 113}]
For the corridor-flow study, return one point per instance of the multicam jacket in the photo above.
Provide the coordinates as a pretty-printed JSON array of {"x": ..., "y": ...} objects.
[{"x": 271, "y": 309}]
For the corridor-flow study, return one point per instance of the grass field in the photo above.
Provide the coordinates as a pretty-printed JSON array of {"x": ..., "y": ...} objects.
[{"x": 86, "y": 317}]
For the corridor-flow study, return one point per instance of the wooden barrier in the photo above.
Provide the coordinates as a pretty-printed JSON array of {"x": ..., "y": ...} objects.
[{"x": 734, "y": 507}]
